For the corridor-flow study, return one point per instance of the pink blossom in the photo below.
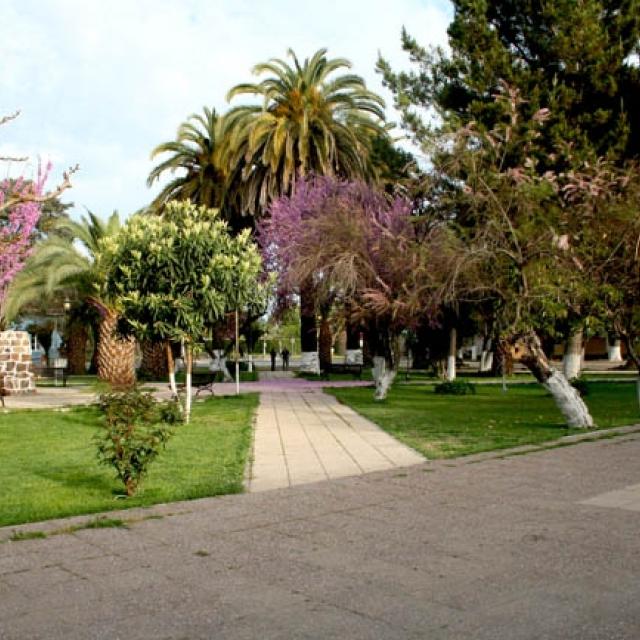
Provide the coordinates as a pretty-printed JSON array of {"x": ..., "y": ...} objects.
[{"x": 17, "y": 224}]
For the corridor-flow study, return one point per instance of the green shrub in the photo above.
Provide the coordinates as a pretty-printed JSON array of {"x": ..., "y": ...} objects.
[
  {"x": 581, "y": 384},
  {"x": 136, "y": 429},
  {"x": 455, "y": 388}
]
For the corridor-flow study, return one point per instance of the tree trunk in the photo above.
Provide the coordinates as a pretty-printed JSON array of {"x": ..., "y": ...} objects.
[
  {"x": 171, "y": 369},
  {"x": 309, "y": 360},
  {"x": 384, "y": 374},
  {"x": 187, "y": 377},
  {"x": 634, "y": 357},
  {"x": 385, "y": 358},
  {"x": 353, "y": 352},
  {"x": 502, "y": 361},
  {"x": 116, "y": 357},
  {"x": 614, "y": 350},
  {"x": 77, "y": 348},
  {"x": 566, "y": 397},
  {"x": 326, "y": 339},
  {"x": 572, "y": 361},
  {"x": 486, "y": 355},
  {"x": 451, "y": 357},
  {"x": 154, "y": 360}
]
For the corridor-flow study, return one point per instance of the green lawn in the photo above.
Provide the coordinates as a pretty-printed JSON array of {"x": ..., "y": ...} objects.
[
  {"x": 449, "y": 426},
  {"x": 49, "y": 468}
]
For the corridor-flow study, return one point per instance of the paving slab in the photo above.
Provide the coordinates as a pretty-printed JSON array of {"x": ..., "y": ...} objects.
[{"x": 305, "y": 435}]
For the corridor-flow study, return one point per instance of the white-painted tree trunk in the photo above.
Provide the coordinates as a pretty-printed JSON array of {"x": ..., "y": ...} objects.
[
  {"x": 383, "y": 377},
  {"x": 353, "y": 356},
  {"x": 614, "y": 352},
  {"x": 451, "y": 359},
  {"x": 219, "y": 363},
  {"x": 569, "y": 401},
  {"x": 188, "y": 385},
  {"x": 451, "y": 368},
  {"x": 566, "y": 397},
  {"x": 250, "y": 363},
  {"x": 171, "y": 366},
  {"x": 572, "y": 361},
  {"x": 486, "y": 361},
  {"x": 310, "y": 362}
]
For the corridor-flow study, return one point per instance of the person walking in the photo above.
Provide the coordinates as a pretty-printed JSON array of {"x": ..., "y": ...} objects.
[
  {"x": 285, "y": 359},
  {"x": 273, "y": 353}
]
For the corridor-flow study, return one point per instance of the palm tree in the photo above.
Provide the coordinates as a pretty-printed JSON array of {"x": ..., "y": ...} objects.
[
  {"x": 203, "y": 177},
  {"x": 70, "y": 259},
  {"x": 307, "y": 123},
  {"x": 195, "y": 156}
]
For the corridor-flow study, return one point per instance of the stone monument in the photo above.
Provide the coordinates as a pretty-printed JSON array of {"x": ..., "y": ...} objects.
[{"x": 16, "y": 376}]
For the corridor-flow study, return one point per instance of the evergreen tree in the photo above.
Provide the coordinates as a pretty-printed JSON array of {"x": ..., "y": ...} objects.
[{"x": 574, "y": 58}]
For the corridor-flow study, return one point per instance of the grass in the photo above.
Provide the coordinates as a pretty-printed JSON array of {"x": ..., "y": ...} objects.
[
  {"x": 49, "y": 468},
  {"x": 449, "y": 426}
]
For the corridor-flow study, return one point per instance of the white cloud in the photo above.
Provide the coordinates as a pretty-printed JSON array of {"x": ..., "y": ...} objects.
[{"x": 100, "y": 84}]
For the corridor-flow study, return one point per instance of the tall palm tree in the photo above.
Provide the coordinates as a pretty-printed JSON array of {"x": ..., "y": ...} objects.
[
  {"x": 70, "y": 258},
  {"x": 195, "y": 157},
  {"x": 201, "y": 175},
  {"x": 308, "y": 122}
]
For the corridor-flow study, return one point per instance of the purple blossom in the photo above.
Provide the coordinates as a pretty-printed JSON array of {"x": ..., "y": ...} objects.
[{"x": 17, "y": 224}]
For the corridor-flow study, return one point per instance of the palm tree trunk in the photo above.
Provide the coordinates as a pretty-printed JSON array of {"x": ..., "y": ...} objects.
[
  {"x": 154, "y": 360},
  {"x": 116, "y": 357},
  {"x": 77, "y": 348}
]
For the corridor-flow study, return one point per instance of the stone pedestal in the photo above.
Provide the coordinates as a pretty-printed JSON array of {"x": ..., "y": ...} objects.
[{"x": 16, "y": 376}]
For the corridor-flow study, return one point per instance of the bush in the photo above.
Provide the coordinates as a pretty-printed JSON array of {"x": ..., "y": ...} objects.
[
  {"x": 455, "y": 388},
  {"x": 136, "y": 429},
  {"x": 581, "y": 384}
]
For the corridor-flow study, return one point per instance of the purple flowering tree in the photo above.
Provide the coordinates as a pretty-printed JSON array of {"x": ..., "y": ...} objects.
[
  {"x": 20, "y": 208},
  {"x": 362, "y": 251}
]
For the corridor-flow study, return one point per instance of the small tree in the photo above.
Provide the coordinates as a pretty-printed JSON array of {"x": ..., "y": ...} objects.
[
  {"x": 362, "y": 251},
  {"x": 21, "y": 203},
  {"x": 175, "y": 275}
]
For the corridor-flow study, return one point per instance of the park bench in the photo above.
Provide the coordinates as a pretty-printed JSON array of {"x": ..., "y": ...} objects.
[
  {"x": 57, "y": 374},
  {"x": 203, "y": 381},
  {"x": 353, "y": 368}
]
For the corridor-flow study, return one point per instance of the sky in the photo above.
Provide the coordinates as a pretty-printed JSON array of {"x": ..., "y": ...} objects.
[{"x": 100, "y": 84}]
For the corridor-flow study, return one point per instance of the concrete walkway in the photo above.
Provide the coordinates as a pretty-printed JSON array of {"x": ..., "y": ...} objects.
[
  {"x": 306, "y": 436},
  {"x": 529, "y": 547}
]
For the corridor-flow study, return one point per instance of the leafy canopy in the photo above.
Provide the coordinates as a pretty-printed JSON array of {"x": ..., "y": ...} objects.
[{"x": 177, "y": 274}]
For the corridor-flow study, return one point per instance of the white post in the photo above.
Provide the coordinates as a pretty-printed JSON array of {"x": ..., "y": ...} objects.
[{"x": 237, "y": 360}]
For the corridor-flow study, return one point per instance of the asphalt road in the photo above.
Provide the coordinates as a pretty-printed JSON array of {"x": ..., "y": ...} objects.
[{"x": 536, "y": 546}]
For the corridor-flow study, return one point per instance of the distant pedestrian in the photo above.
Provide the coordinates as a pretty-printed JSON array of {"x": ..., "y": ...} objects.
[
  {"x": 273, "y": 353},
  {"x": 285, "y": 359}
]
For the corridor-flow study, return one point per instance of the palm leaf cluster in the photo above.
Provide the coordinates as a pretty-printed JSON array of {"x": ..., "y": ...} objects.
[{"x": 308, "y": 120}]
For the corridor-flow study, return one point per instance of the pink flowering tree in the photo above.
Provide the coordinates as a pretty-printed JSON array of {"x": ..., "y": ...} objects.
[
  {"x": 363, "y": 252},
  {"x": 20, "y": 209}
]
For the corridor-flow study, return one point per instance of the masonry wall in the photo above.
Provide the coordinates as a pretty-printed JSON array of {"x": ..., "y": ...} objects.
[{"x": 16, "y": 376}]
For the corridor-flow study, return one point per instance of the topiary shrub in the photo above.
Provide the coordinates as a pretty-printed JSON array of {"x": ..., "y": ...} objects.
[
  {"x": 455, "y": 388},
  {"x": 136, "y": 429}
]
